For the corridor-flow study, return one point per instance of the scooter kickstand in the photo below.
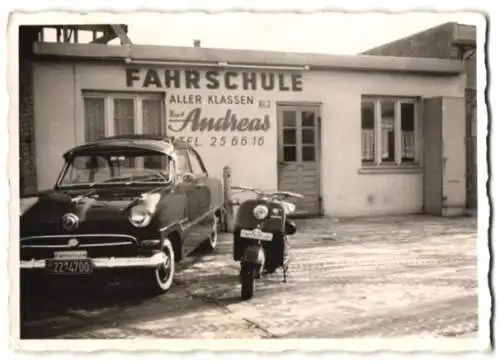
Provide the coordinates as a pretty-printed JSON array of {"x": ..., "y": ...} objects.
[{"x": 285, "y": 273}]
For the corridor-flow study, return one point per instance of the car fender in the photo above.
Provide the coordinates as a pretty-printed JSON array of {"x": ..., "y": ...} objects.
[{"x": 172, "y": 213}]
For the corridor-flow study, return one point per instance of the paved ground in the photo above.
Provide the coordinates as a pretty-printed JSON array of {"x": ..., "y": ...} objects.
[{"x": 382, "y": 277}]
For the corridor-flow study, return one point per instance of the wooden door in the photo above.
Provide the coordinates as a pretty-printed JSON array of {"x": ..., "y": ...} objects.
[{"x": 299, "y": 154}]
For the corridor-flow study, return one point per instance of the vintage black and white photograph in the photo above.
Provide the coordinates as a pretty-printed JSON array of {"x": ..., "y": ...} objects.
[{"x": 250, "y": 176}]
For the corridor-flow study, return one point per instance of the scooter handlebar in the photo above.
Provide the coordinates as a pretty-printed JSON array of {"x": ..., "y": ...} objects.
[{"x": 282, "y": 194}]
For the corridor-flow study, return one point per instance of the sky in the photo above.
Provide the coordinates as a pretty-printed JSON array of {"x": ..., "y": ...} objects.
[{"x": 334, "y": 33}]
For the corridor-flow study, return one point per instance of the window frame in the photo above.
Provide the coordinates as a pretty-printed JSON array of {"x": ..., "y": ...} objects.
[{"x": 398, "y": 165}]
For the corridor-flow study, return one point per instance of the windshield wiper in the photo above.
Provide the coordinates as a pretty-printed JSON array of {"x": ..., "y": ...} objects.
[
  {"x": 133, "y": 179},
  {"x": 112, "y": 180}
]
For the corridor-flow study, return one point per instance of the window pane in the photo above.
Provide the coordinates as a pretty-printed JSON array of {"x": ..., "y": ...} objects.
[
  {"x": 408, "y": 146},
  {"x": 289, "y": 136},
  {"x": 308, "y": 136},
  {"x": 87, "y": 169},
  {"x": 94, "y": 118},
  {"x": 307, "y": 118},
  {"x": 388, "y": 134},
  {"x": 367, "y": 115},
  {"x": 124, "y": 116},
  {"x": 407, "y": 116},
  {"x": 152, "y": 117},
  {"x": 124, "y": 121},
  {"x": 195, "y": 164},
  {"x": 368, "y": 145},
  {"x": 182, "y": 165},
  {"x": 408, "y": 132},
  {"x": 289, "y": 119},
  {"x": 308, "y": 154},
  {"x": 368, "y": 131},
  {"x": 153, "y": 123},
  {"x": 289, "y": 154}
]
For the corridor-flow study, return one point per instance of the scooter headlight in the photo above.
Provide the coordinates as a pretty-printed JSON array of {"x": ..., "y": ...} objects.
[
  {"x": 139, "y": 216},
  {"x": 260, "y": 212}
]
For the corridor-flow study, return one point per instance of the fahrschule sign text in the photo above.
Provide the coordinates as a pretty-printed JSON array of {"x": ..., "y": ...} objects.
[{"x": 214, "y": 80}]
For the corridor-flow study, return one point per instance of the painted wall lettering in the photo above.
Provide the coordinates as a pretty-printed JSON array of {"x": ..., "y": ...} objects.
[
  {"x": 218, "y": 108},
  {"x": 225, "y": 141},
  {"x": 213, "y": 80},
  {"x": 195, "y": 121}
]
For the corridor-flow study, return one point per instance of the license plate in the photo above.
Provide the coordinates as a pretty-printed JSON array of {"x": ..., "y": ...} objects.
[
  {"x": 256, "y": 234},
  {"x": 71, "y": 254},
  {"x": 69, "y": 266}
]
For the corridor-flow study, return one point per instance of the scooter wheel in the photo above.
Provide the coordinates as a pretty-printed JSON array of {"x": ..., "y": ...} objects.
[{"x": 247, "y": 283}]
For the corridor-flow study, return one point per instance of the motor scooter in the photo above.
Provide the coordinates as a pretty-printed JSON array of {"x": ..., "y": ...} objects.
[{"x": 260, "y": 235}]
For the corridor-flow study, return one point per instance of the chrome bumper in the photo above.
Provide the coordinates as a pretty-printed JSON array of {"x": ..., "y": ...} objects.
[{"x": 104, "y": 263}]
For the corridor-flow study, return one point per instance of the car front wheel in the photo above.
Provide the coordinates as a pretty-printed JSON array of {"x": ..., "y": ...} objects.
[{"x": 162, "y": 277}]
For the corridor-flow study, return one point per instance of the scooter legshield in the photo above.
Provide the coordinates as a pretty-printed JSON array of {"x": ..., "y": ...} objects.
[{"x": 254, "y": 254}]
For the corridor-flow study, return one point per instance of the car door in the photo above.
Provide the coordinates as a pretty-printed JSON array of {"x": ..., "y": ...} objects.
[
  {"x": 188, "y": 186},
  {"x": 202, "y": 195}
]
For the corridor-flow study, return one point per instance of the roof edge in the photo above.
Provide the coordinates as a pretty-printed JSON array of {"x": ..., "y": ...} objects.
[{"x": 233, "y": 58}]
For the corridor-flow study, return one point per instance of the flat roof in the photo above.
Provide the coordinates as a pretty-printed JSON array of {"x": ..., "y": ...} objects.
[
  {"x": 233, "y": 58},
  {"x": 464, "y": 34}
]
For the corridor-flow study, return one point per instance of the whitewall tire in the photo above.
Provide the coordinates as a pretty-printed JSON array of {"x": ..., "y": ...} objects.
[{"x": 162, "y": 277}]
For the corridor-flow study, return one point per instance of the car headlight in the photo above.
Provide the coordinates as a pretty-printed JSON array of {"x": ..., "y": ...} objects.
[
  {"x": 139, "y": 216},
  {"x": 260, "y": 212}
]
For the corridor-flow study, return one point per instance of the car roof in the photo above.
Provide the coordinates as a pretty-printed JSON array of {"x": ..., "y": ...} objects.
[{"x": 154, "y": 143}]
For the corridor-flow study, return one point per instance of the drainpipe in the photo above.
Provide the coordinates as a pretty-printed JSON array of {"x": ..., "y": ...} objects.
[{"x": 214, "y": 64}]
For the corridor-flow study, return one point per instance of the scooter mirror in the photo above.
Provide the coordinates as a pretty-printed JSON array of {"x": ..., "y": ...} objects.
[
  {"x": 290, "y": 227},
  {"x": 289, "y": 207}
]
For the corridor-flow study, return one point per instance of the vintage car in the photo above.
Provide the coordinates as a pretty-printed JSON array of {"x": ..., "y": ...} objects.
[{"x": 122, "y": 204}]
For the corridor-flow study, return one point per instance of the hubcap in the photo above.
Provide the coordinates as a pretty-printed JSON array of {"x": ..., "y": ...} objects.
[
  {"x": 213, "y": 236},
  {"x": 164, "y": 268}
]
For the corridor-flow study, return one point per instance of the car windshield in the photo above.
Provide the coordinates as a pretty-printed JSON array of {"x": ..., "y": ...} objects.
[{"x": 115, "y": 169}]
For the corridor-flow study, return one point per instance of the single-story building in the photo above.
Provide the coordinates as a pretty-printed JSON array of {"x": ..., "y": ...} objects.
[
  {"x": 447, "y": 41},
  {"x": 357, "y": 135}
]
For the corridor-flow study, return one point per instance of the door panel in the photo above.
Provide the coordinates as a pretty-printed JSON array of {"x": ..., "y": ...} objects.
[
  {"x": 203, "y": 198},
  {"x": 433, "y": 156},
  {"x": 298, "y": 155},
  {"x": 454, "y": 153},
  {"x": 188, "y": 185},
  {"x": 190, "y": 231},
  {"x": 471, "y": 119}
]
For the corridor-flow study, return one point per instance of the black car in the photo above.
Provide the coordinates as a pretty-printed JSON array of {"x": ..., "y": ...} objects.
[{"x": 130, "y": 203}]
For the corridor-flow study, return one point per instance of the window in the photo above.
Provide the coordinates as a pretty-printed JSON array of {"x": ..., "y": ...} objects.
[
  {"x": 388, "y": 131},
  {"x": 182, "y": 165},
  {"x": 196, "y": 166},
  {"x": 110, "y": 114},
  {"x": 86, "y": 169},
  {"x": 110, "y": 168}
]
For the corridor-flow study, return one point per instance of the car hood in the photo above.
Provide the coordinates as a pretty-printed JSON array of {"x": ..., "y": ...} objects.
[{"x": 97, "y": 206}]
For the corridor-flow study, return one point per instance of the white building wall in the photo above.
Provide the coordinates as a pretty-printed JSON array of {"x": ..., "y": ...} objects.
[{"x": 59, "y": 118}]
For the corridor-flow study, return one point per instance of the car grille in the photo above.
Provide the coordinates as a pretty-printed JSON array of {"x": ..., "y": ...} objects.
[{"x": 96, "y": 245}]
